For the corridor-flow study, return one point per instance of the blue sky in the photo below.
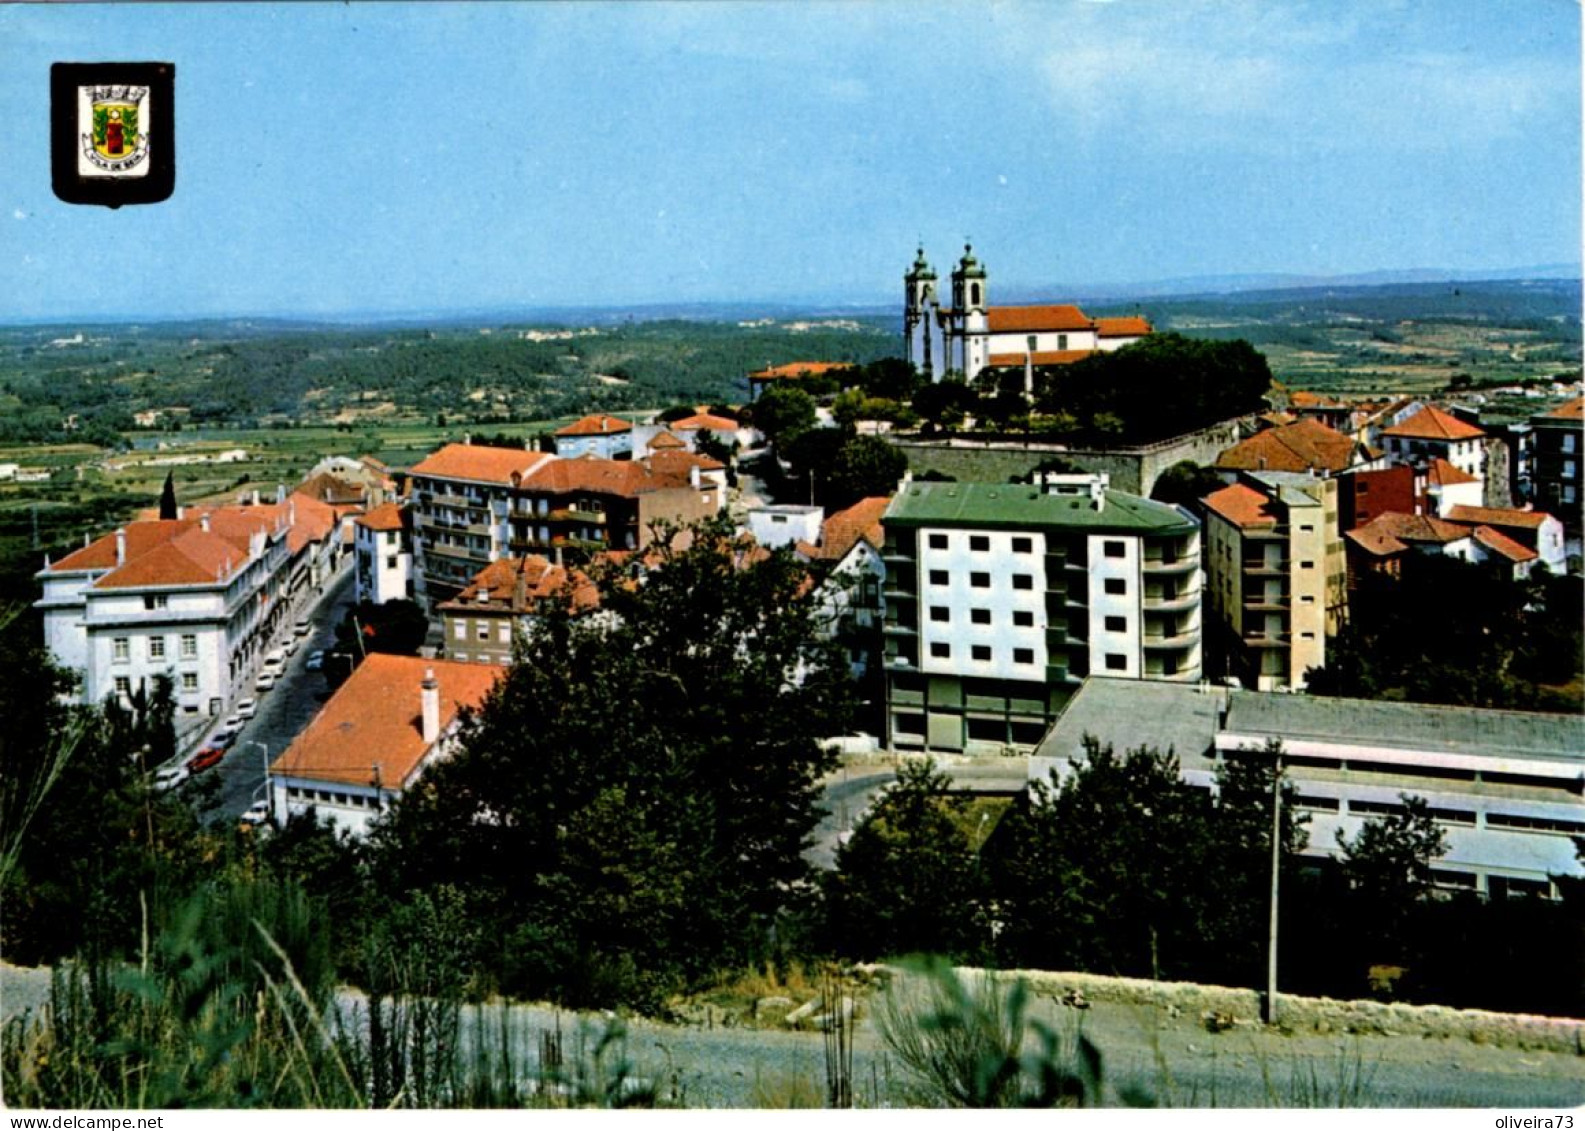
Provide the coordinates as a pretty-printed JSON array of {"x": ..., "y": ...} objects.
[{"x": 336, "y": 158}]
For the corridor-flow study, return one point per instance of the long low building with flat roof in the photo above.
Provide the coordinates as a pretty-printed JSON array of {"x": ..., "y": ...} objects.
[{"x": 1507, "y": 787}]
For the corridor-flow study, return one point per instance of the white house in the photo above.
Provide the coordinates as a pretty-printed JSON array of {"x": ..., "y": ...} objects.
[
  {"x": 785, "y": 524},
  {"x": 600, "y": 434},
  {"x": 383, "y": 551}
]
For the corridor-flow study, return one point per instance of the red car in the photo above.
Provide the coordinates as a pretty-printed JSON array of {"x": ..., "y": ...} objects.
[{"x": 205, "y": 758}]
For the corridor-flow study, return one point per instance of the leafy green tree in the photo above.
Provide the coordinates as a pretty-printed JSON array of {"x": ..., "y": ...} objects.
[
  {"x": 1106, "y": 870},
  {"x": 942, "y": 406},
  {"x": 865, "y": 466},
  {"x": 1387, "y": 867},
  {"x": 1185, "y": 483},
  {"x": 396, "y": 627},
  {"x": 783, "y": 414},
  {"x": 908, "y": 879},
  {"x": 628, "y": 809},
  {"x": 890, "y": 379}
]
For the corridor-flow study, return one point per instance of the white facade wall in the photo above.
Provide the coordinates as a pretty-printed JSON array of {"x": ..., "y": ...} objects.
[
  {"x": 1468, "y": 456},
  {"x": 1458, "y": 495},
  {"x": 1014, "y": 582},
  {"x": 606, "y": 445},
  {"x": 1109, "y": 571},
  {"x": 1044, "y": 341},
  {"x": 384, "y": 565},
  {"x": 782, "y": 526}
]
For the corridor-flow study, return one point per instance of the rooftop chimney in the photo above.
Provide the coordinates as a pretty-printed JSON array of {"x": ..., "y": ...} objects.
[
  {"x": 203, "y": 522},
  {"x": 429, "y": 707},
  {"x": 280, "y": 492},
  {"x": 121, "y": 546}
]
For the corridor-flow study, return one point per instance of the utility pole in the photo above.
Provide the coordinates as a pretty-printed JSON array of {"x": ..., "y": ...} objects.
[
  {"x": 264, "y": 755},
  {"x": 1276, "y": 862}
]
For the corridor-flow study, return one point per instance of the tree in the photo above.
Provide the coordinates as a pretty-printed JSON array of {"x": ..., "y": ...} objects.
[
  {"x": 943, "y": 405},
  {"x": 168, "y": 507},
  {"x": 889, "y": 379},
  {"x": 628, "y": 810},
  {"x": 397, "y": 627},
  {"x": 1185, "y": 483},
  {"x": 908, "y": 880},
  {"x": 1387, "y": 867},
  {"x": 783, "y": 414},
  {"x": 864, "y": 466}
]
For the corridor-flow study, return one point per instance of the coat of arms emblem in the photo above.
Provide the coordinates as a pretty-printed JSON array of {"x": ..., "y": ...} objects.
[{"x": 115, "y": 138}]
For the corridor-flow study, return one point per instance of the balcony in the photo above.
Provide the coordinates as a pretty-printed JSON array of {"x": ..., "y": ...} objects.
[
  {"x": 1164, "y": 565},
  {"x": 1175, "y": 603},
  {"x": 1267, "y": 604},
  {"x": 1278, "y": 533},
  {"x": 1266, "y": 567},
  {"x": 457, "y": 501},
  {"x": 461, "y": 553},
  {"x": 1162, "y": 642},
  {"x": 1265, "y": 639}
]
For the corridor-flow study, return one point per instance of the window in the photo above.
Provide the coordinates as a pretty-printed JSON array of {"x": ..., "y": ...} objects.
[
  {"x": 940, "y": 650},
  {"x": 506, "y": 634},
  {"x": 1364, "y": 487},
  {"x": 1307, "y": 526},
  {"x": 1306, "y": 565},
  {"x": 938, "y": 541},
  {"x": 1115, "y": 550},
  {"x": 778, "y": 520},
  {"x": 1116, "y": 624},
  {"x": 1306, "y": 600},
  {"x": 1024, "y": 619},
  {"x": 155, "y": 602},
  {"x": 1023, "y": 581},
  {"x": 1023, "y": 545},
  {"x": 390, "y": 561},
  {"x": 1062, "y": 341},
  {"x": 460, "y": 629},
  {"x": 980, "y": 616},
  {"x": 1023, "y": 655},
  {"x": 1568, "y": 469},
  {"x": 938, "y": 577},
  {"x": 120, "y": 649},
  {"x": 189, "y": 645},
  {"x": 156, "y": 647},
  {"x": 980, "y": 580},
  {"x": 460, "y": 657},
  {"x": 981, "y": 651},
  {"x": 1032, "y": 340},
  {"x": 123, "y": 685},
  {"x": 1117, "y": 586},
  {"x": 390, "y": 537},
  {"x": 979, "y": 543},
  {"x": 940, "y": 613},
  {"x": 1116, "y": 662},
  {"x": 483, "y": 631},
  {"x": 189, "y": 681}
]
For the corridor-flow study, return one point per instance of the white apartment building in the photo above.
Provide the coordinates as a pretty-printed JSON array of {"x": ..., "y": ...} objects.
[
  {"x": 1000, "y": 598},
  {"x": 1430, "y": 434}
]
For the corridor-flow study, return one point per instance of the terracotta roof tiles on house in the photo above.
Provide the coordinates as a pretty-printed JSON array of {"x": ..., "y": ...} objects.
[
  {"x": 1038, "y": 357},
  {"x": 386, "y": 516},
  {"x": 518, "y": 585},
  {"x": 480, "y": 464},
  {"x": 705, "y": 420},
  {"x": 193, "y": 557},
  {"x": 1502, "y": 545},
  {"x": 1021, "y": 319},
  {"x": 1392, "y": 532},
  {"x": 1130, "y": 326},
  {"x": 332, "y": 489},
  {"x": 1574, "y": 410},
  {"x": 799, "y": 369},
  {"x": 678, "y": 462},
  {"x": 141, "y": 538},
  {"x": 1498, "y": 516},
  {"x": 1241, "y": 505},
  {"x": 372, "y": 726},
  {"x": 1431, "y": 423},
  {"x": 843, "y": 530},
  {"x": 668, "y": 441},
  {"x": 1443, "y": 474},
  {"x": 1304, "y": 445},
  {"x": 596, "y": 424}
]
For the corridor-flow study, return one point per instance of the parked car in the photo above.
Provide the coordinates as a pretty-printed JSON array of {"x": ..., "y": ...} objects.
[
  {"x": 223, "y": 739},
  {"x": 290, "y": 646},
  {"x": 205, "y": 758},
  {"x": 315, "y": 661},
  {"x": 265, "y": 681},
  {"x": 302, "y": 627},
  {"x": 247, "y": 708},
  {"x": 257, "y": 813},
  {"x": 234, "y": 722},
  {"x": 170, "y": 778},
  {"x": 275, "y": 658}
]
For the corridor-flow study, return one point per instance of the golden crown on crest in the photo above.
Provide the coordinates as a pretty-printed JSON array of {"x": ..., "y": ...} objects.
[{"x": 117, "y": 93}]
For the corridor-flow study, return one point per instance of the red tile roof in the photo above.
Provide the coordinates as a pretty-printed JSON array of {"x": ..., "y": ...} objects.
[
  {"x": 1499, "y": 543},
  {"x": 1574, "y": 410},
  {"x": 667, "y": 440},
  {"x": 386, "y": 516},
  {"x": 374, "y": 720},
  {"x": 1304, "y": 445},
  {"x": 625, "y": 478},
  {"x": 798, "y": 369},
  {"x": 480, "y": 464},
  {"x": 1241, "y": 505},
  {"x": 597, "y": 424},
  {"x": 540, "y": 580},
  {"x": 141, "y": 538},
  {"x": 842, "y": 530},
  {"x": 1498, "y": 516},
  {"x": 312, "y": 521},
  {"x": 1431, "y": 423},
  {"x": 333, "y": 489},
  {"x": 1392, "y": 532},
  {"x": 1444, "y": 474},
  {"x": 1039, "y": 357},
  {"x": 666, "y": 462},
  {"x": 1020, "y": 319},
  {"x": 1299, "y": 398},
  {"x": 705, "y": 420},
  {"x": 193, "y": 557},
  {"x": 1130, "y": 326}
]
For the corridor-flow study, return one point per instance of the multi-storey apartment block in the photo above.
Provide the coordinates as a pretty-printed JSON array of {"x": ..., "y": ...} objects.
[
  {"x": 1558, "y": 448},
  {"x": 473, "y": 505},
  {"x": 1277, "y": 576},
  {"x": 481, "y": 625},
  {"x": 1000, "y": 598}
]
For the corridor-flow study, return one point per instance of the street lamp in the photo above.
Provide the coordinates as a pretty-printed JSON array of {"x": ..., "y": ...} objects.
[{"x": 264, "y": 754}]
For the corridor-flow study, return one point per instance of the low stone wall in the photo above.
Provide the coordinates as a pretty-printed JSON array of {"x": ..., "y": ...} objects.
[{"x": 1241, "y": 1007}]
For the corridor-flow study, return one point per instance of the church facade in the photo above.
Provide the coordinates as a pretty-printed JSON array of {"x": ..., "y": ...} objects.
[{"x": 970, "y": 336}]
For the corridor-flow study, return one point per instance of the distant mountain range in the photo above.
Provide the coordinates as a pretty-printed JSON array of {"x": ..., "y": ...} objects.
[{"x": 1246, "y": 286}]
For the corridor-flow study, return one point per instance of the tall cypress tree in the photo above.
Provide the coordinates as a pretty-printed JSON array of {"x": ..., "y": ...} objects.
[{"x": 168, "y": 497}]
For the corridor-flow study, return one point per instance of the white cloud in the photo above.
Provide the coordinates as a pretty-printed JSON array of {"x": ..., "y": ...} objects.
[{"x": 18, "y": 214}]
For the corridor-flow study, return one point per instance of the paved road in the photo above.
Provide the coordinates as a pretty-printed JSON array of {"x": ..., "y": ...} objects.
[
  {"x": 851, "y": 791},
  {"x": 283, "y": 711}
]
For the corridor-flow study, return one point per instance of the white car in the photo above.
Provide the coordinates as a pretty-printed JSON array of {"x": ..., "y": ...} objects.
[
  {"x": 234, "y": 722},
  {"x": 290, "y": 647},
  {"x": 265, "y": 681},
  {"x": 170, "y": 777},
  {"x": 302, "y": 627},
  {"x": 247, "y": 708},
  {"x": 257, "y": 813},
  {"x": 274, "y": 658}
]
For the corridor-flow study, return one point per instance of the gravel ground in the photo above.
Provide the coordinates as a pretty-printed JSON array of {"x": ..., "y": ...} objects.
[{"x": 1173, "y": 1059}]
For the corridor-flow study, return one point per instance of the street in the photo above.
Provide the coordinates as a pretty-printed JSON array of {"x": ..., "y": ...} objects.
[{"x": 283, "y": 711}]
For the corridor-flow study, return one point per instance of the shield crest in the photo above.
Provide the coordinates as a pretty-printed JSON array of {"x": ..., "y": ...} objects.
[
  {"x": 115, "y": 138},
  {"x": 115, "y": 128}
]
